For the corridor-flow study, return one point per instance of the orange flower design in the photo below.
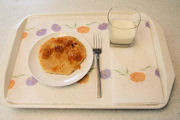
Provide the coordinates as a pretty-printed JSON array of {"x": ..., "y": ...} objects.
[
  {"x": 83, "y": 29},
  {"x": 24, "y": 35},
  {"x": 12, "y": 82},
  {"x": 84, "y": 79},
  {"x": 137, "y": 76}
]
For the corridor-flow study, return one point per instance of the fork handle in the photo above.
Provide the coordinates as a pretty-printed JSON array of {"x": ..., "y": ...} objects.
[{"x": 98, "y": 82}]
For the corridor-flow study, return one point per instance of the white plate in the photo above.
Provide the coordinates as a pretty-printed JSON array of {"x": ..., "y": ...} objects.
[{"x": 53, "y": 79}]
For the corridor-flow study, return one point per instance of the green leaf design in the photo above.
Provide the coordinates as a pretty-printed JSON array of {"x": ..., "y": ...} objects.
[
  {"x": 75, "y": 25},
  {"x": 68, "y": 26},
  {"x": 71, "y": 27},
  {"x": 127, "y": 71},
  {"x": 143, "y": 69},
  {"x": 117, "y": 71},
  {"x": 122, "y": 73},
  {"x": 91, "y": 23},
  {"x": 17, "y": 76},
  {"x": 28, "y": 29}
]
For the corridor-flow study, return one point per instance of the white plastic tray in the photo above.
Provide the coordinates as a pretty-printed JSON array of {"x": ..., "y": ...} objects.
[{"x": 15, "y": 48}]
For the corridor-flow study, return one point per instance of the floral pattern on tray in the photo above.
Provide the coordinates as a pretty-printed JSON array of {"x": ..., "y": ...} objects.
[
  {"x": 56, "y": 28},
  {"x": 82, "y": 29},
  {"x": 105, "y": 74},
  {"x": 139, "y": 75}
]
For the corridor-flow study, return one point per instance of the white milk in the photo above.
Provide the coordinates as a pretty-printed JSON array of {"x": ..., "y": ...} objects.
[{"x": 122, "y": 36}]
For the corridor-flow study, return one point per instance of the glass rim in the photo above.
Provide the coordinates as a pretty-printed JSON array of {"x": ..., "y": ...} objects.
[{"x": 109, "y": 21}]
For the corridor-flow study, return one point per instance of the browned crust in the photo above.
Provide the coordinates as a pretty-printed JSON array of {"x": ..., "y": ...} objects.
[{"x": 61, "y": 55}]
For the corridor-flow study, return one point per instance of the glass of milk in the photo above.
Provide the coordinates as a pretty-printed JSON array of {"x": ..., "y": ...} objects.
[{"x": 123, "y": 25}]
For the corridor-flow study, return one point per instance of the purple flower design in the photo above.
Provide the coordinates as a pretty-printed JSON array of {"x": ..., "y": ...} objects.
[
  {"x": 31, "y": 81},
  {"x": 157, "y": 72},
  {"x": 56, "y": 27},
  {"x": 41, "y": 32},
  {"x": 147, "y": 24},
  {"x": 106, "y": 73},
  {"x": 103, "y": 26}
]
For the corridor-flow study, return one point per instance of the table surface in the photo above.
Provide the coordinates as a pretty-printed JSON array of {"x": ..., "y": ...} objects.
[{"x": 165, "y": 12}]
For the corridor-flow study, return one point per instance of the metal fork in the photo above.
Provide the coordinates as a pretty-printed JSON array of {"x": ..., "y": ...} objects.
[{"x": 97, "y": 49}]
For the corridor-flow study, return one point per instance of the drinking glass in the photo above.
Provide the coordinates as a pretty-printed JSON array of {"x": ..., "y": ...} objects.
[{"x": 123, "y": 25}]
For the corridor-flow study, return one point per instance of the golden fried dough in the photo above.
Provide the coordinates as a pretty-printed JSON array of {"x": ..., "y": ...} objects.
[{"x": 61, "y": 55}]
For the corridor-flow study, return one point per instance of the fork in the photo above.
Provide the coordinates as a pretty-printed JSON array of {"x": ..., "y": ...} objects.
[{"x": 97, "y": 49}]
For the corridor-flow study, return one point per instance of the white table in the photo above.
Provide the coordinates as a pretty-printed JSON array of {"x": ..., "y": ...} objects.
[{"x": 164, "y": 11}]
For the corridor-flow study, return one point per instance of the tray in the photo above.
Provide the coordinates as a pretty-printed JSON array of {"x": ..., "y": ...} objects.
[{"x": 21, "y": 90}]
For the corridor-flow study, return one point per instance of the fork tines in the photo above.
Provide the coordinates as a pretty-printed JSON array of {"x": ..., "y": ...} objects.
[{"x": 97, "y": 41}]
